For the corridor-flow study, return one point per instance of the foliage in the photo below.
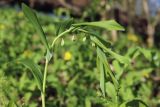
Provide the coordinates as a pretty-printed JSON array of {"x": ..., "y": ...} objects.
[{"x": 124, "y": 80}]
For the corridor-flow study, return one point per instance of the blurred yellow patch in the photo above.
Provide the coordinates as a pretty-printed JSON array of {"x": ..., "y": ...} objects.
[
  {"x": 132, "y": 37},
  {"x": 27, "y": 53},
  {"x": 67, "y": 56},
  {"x": 2, "y": 27},
  {"x": 20, "y": 14},
  {"x": 146, "y": 75}
]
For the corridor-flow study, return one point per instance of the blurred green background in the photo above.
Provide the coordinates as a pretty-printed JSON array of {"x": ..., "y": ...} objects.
[{"x": 73, "y": 80}]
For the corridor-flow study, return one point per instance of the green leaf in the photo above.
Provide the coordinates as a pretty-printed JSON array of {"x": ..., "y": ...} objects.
[
  {"x": 146, "y": 53},
  {"x": 87, "y": 102},
  {"x": 111, "y": 92},
  {"x": 29, "y": 13},
  {"x": 136, "y": 51},
  {"x": 108, "y": 70},
  {"x": 105, "y": 43},
  {"x": 117, "y": 68},
  {"x": 134, "y": 103},
  {"x": 12, "y": 104},
  {"x": 131, "y": 51},
  {"x": 100, "y": 68},
  {"x": 109, "y": 25},
  {"x": 121, "y": 59},
  {"x": 63, "y": 25},
  {"x": 35, "y": 71}
]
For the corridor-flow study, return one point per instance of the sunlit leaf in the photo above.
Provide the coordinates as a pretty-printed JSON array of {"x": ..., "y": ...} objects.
[{"x": 109, "y": 25}]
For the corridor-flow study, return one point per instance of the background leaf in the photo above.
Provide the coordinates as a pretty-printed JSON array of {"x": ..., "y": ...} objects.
[
  {"x": 134, "y": 103},
  {"x": 146, "y": 53},
  {"x": 12, "y": 104}
]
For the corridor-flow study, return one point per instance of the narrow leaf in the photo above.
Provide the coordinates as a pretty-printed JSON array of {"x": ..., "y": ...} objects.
[
  {"x": 100, "y": 68},
  {"x": 108, "y": 70},
  {"x": 109, "y": 25},
  {"x": 29, "y": 13},
  {"x": 35, "y": 71},
  {"x": 121, "y": 59}
]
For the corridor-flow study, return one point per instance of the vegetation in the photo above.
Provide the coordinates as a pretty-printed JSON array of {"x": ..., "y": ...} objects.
[{"x": 78, "y": 67}]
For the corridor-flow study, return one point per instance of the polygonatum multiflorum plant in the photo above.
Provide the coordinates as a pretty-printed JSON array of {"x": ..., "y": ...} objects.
[{"x": 107, "y": 77}]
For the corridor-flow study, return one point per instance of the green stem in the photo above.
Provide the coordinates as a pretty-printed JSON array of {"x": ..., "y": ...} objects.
[
  {"x": 46, "y": 66},
  {"x": 60, "y": 35},
  {"x": 44, "y": 84},
  {"x": 117, "y": 98},
  {"x": 43, "y": 99}
]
